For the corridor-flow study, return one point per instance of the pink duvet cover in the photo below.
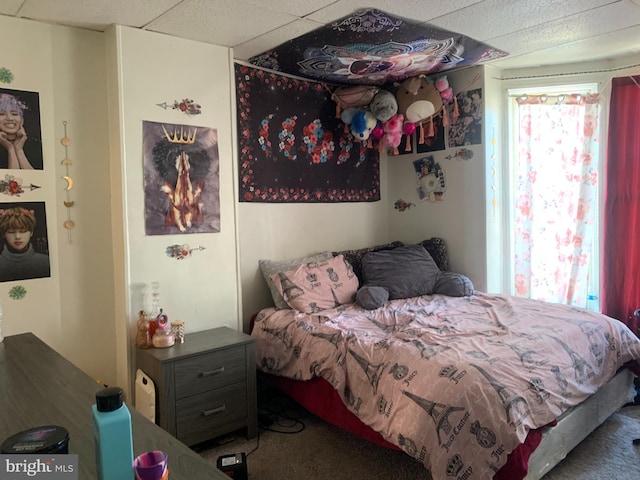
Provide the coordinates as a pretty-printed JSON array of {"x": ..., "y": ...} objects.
[{"x": 456, "y": 382}]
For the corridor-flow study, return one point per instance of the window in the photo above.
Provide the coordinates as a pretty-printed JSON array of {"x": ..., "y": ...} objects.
[{"x": 554, "y": 194}]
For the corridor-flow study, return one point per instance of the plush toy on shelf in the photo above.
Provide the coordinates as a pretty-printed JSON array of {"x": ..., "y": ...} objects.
[
  {"x": 418, "y": 101},
  {"x": 384, "y": 105},
  {"x": 362, "y": 124},
  {"x": 446, "y": 93},
  {"x": 392, "y": 132}
]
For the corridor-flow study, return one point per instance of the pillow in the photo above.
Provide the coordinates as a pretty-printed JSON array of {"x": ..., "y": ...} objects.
[
  {"x": 354, "y": 257},
  {"x": 406, "y": 272},
  {"x": 316, "y": 286},
  {"x": 269, "y": 267},
  {"x": 371, "y": 297},
  {"x": 438, "y": 251},
  {"x": 453, "y": 285}
]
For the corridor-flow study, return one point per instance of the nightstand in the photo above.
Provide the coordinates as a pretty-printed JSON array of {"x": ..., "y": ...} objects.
[{"x": 206, "y": 386}]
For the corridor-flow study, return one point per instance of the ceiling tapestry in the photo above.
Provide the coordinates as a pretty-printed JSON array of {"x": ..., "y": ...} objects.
[{"x": 374, "y": 48}]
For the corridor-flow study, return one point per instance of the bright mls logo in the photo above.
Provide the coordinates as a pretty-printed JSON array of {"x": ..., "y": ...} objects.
[{"x": 50, "y": 467}]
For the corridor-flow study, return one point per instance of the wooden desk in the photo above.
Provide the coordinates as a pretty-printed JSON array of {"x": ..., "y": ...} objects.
[{"x": 40, "y": 387}]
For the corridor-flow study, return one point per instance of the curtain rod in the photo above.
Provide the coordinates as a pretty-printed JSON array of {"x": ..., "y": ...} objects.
[{"x": 569, "y": 73}]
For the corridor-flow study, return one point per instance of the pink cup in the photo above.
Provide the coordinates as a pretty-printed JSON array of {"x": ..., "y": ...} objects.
[{"x": 151, "y": 466}]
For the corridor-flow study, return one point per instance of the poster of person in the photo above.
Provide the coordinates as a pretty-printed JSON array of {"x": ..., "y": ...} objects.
[
  {"x": 431, "y": 179},
  {"x": 467, "y": 128},
  {"x": 181, "y": 179},
  {"x": 24, "y": 251},
  {"x": 20, "y": 131}
]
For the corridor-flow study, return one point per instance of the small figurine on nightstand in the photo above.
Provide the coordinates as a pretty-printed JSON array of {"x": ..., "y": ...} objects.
[
  {"x": 143, "y": 339},
  {"x": 162, "y": 337}
]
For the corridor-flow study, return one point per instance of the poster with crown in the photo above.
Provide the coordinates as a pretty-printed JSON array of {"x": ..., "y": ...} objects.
[{"x": 181, "y": 179}]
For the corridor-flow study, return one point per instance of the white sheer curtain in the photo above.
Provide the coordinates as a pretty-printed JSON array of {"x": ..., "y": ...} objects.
[{"x": 556, "y": 178}]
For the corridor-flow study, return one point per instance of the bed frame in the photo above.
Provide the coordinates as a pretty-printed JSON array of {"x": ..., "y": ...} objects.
[{"x": 543, "y": 449}]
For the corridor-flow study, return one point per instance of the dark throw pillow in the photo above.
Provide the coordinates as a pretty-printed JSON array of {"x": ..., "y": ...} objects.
[
  {"x": 371, "y": 297},
  {"x": 453, "y": 285},
  {"x": 438, "y": 251},
  {"x": 354, "y": 257},
  {"x": 405, "y": 272}
]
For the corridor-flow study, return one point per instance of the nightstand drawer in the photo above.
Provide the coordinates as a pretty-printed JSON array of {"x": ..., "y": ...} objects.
[
  {"x": 209, "y": 371},
  {"x": 208, "y": 415}
]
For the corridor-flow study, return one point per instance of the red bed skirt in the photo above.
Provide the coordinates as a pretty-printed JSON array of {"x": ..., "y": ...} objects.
[{"x": 321, "y": 399}]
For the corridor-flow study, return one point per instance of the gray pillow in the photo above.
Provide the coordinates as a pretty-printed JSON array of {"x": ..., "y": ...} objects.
[
  {"x": 405, "y": 272},
  {"x": 269, "y": 267},
  {"x": 453, "y": 285},
  {"x": 371, "y": 297}
]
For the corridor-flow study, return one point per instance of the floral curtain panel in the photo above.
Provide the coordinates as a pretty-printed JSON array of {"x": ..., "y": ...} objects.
[{"x": 555, "y": 191}]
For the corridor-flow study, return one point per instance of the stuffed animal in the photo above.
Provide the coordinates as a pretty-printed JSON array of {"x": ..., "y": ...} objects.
[
  {"x": 446, "y": 92},
  {"x": 393, "y": 129},
  {"x": 418, "y": 100},
  {"x": 384, "y": 105},
  {"x": 362, "y": 123},
  {"x": 353, "y": 96}
]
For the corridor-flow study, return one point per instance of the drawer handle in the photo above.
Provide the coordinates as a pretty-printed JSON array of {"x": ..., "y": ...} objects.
[
  {"x": 211, "y": 372},
  {"x": 219, "y": 409}
]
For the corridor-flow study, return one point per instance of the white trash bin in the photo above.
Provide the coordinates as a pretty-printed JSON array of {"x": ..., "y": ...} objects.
[{"x": 145, "y": 396}]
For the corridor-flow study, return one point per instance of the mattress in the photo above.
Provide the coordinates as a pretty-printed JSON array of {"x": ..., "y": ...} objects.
[{"x": 577, "y": 423}]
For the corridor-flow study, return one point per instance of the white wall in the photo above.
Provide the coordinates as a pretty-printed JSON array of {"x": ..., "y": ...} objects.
[
  {"x": 460, "y": 217},
  {"x": 147, "y": 69},
  {"x": 285, "y": 231},
  {"x": 73, "y": 309}
]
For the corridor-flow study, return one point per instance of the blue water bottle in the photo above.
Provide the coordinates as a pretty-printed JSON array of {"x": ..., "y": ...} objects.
[{"x": 112, "y": 435}]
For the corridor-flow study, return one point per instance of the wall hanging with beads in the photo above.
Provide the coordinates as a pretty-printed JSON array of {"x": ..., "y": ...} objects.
[{"x": 68, "y": 203}]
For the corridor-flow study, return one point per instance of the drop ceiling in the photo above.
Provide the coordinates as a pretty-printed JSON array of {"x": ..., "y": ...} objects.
[{"x": 533, "y": 32}]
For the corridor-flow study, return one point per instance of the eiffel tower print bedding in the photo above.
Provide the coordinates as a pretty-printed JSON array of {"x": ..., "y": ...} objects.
[{"x": 456, "y": 382}]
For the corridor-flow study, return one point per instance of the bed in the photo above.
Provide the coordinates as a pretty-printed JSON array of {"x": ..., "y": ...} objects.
[{"x": 473, "y": 385}]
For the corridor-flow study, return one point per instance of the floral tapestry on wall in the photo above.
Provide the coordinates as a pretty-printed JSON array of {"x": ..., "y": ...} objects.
[
  {"x": 293, "y": 149},
  {"x": 181, "y": 179}
]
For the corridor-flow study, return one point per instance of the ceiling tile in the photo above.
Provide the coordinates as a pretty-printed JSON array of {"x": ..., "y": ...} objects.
[
  {"x": 274, "y": 38},
  {"x": 417, "y": 10},
  {"x": 602, "y": 47},
  {"x": 10, "y": 7},
  {"x": 225, "y": 22},
  {"x": 299, "y": 8},
  {"x": 96, "y": 14},
  {"x": 582, "y": 26},
  {"x": 508, "y": 16}
]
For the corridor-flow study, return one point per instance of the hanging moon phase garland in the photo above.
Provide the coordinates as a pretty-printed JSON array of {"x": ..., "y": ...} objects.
[
  {"x": 69, "y": 182},
  {"x": 68, "y": 223}
]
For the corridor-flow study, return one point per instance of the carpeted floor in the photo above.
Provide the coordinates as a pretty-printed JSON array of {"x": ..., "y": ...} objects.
[{"x": 309, "y": 448}]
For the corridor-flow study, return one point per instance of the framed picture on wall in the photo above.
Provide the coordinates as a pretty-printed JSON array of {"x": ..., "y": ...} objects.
[
  {"x": 20, "y": 130},
  {"x": 24, "y": 251}
]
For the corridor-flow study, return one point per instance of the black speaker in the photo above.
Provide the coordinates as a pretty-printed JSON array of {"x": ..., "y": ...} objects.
[{"x": 234, "y": 465}]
